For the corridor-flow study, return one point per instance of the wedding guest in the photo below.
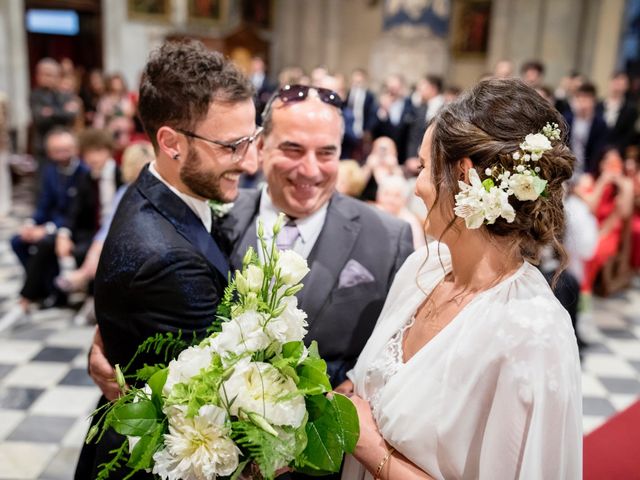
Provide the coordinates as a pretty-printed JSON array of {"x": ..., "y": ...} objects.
[
  {"x": 588, "y": 131},
  {"x": 34, "y": 245},
  {"x": 619, "y": 114},
  {"x": 395, "y": 112},
  {"x": 116, "y": 102},
  {"x": 392, "y": 197},
  {"x": 381, "y": 163},
  {"x": 532, "y": 73},
  {"x": 49, "y": 107},
  {"x": 161, "y": 269},
  {"x": 503, "y": 69},
  {"x": 473, "y": 358},
  {"x": 351, "y": 178},
  {"x": 91, "y": 92},
  {"x": 362, "y": 102},
  {"x": 353, "y": 249},
  {"x": 565, "y": 91}
]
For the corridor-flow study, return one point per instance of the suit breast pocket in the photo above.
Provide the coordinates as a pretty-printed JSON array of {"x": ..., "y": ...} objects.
[{"x": 363, "y": 291}]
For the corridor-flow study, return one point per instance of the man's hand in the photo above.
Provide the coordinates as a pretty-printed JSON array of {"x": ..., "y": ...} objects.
[
  {"x": 101, "y": 371},
  {"x": 33, "y": 233},
  {"x": 64, "y": 246}
]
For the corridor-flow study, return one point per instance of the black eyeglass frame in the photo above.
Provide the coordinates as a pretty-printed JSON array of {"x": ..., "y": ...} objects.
[{"x": 233, "y": 146}]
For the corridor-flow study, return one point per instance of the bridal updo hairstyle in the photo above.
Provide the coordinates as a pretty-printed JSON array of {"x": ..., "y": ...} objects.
[{"x": 487, "y": 124}]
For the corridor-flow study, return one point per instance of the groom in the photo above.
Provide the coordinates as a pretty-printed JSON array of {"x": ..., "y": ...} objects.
[{"x": 161, "y": 269}]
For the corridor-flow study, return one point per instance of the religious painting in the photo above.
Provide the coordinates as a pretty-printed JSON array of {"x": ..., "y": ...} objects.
[
  {"x": 213, "y": 12},
  {"x": 152, "y": 10},
  {"x": 430, "y": 14},
  {"x": 471, "y": 27}
]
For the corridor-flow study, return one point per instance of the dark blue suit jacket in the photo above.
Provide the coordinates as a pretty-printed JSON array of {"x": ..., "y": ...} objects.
[
  {"x": 57, "y": 194},
  {"x": 597, "y": 141},
  {"x": 160, "y": 271}
]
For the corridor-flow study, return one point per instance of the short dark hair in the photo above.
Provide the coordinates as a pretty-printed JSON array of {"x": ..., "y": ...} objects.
[
  {"x": 533, "y": 65},
  {"x": 94, "y": 139},
  {"x": 587, "y": 88},
  {"x": 434, "y": 80},
  {"x": 180, "y": 82}
]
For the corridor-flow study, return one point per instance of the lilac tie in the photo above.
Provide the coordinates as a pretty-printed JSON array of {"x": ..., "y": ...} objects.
[{"x": 287, "y": 236}]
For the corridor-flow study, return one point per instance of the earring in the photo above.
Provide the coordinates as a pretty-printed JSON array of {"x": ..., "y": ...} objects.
[{"x": 176, "y": 156}]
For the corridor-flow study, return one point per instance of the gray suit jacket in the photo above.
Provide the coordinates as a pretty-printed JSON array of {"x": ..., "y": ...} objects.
[{"x": 341, "y": 317}]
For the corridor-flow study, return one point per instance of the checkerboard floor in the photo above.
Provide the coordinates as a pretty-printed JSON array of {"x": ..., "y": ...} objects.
[{"x": 46, "y": 394}]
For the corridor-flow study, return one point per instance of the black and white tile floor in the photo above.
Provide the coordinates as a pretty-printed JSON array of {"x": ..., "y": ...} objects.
[{"x": 46, "y": 395}]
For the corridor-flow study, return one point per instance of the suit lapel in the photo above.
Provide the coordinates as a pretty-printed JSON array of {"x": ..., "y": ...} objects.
[
  {"x": 183, "y": 219},
  {"x": 329, "y": 255},
  {"x": 239, "y": 227}
]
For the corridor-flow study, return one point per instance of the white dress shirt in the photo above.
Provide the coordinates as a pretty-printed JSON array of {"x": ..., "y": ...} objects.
[
  {"x": 199, "y": 207},
  {"x": 309, "y": 227}
]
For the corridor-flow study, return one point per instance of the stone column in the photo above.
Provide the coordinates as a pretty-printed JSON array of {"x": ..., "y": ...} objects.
[
  {"x": 607, "y": 42},
  {"x": 14, "y": 68}
]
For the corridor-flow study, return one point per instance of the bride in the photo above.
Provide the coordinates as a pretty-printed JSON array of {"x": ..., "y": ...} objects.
[{"x": 473, "y": 370}]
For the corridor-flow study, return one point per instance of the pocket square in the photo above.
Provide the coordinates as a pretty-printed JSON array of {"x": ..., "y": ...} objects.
[{"x": 354, "y": 274}]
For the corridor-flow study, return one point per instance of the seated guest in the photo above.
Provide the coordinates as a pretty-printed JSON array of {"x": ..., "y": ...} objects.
[
  {"x": 610, "y": 199},
  {"x": 94, "y": 200},
  {"x": 381, "y": 163},
  {"x": 392, "y": 197},
  {"x": 632, "y": 170},
  {"x": 35, "y": 242},
  {"x": 134, "y": 158}
]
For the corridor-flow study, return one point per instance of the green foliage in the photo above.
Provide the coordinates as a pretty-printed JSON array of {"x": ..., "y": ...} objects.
[
  {"x": 332, "y": 429},
  {"x": 136, "y": 419},
  {"x": 116, "y": 462},
  {"x": 142, "y": 455},
  {"x": 166, "y": 345},
  {"x": 269, "y": 452},
  {"x": 147, "y": 371}
]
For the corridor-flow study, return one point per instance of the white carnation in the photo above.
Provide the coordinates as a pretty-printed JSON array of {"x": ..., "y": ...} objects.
[
  {"x": 188, "y": 364},
  {"x": 197, "y": 448},
  {"x": 292, "y": 267},
  {"x": 260, "y": 388},
  {"x": 244, "y": 333},
  {"x": 291, "y": 325}
]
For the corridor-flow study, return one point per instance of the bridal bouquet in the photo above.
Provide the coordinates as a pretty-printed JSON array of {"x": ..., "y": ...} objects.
[{"x": 250, "y": 397}]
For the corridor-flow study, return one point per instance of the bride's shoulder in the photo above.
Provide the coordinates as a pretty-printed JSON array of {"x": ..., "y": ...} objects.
[{"x": 426, "y": 259}]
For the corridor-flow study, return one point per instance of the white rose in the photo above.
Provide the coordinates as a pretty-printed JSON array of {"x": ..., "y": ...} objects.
[
  {"x": 188, "y": 364},
  {"x": 523, "y": 187},
  {"x": 536, "y": 142},
  {"x": 260, "y": 388},
  {"x": 196, "y": 448},
  {"x": 292, "y": 267},
  {"x": 244, "y": 333},
  {"x": 254, "y": 277},
  {"x": 291, "y": 325}
]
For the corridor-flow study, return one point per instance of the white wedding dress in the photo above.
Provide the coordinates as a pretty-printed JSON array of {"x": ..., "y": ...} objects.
[{"x": 495, "y": 395}]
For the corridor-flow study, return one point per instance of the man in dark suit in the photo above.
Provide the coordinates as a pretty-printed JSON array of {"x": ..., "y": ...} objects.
[
  {"x": 161, "y": 269},
  {"x": 588, "y": 131},
  {"x": 34, "y": 245},
  {"x": 619, "y": 113},
  {"x": 353, "y": 250},
  {"x": 362, "y": 103}
]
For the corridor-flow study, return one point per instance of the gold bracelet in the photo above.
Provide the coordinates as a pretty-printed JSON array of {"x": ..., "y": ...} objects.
[{"x": 383, "y": 462}]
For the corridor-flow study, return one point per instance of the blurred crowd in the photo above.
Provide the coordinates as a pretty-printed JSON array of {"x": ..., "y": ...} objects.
[{"x": 87, "y": 145}]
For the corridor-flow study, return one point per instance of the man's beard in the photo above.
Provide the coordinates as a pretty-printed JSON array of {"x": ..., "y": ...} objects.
[{"x": 202, "y": 184}]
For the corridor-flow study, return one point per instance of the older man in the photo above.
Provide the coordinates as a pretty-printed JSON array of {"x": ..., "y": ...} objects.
[
  {"x": 353, "y": 250},
  {"x": 161, "y": 269}
]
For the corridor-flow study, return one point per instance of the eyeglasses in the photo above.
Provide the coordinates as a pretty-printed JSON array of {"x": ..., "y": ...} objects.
[
  {"x": 298, "y": 93},
  {"x": 238, "y": 148}
]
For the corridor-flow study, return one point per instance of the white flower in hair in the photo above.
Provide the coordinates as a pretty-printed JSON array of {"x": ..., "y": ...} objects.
[
  {"x": 526, "y": 187},
  {"x": 475, "y": 204},
  {"x": 536, "y": 144}
]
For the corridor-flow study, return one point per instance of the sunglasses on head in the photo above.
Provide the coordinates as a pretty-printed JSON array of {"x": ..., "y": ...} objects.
[{"x": 298, "y": 93}]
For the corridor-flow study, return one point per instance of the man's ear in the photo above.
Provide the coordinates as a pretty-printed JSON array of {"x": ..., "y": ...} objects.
[
  {"x": 260, "y": 145},
  {"x": 464, "y": 165},
  {"x": 168, "y": 142}
]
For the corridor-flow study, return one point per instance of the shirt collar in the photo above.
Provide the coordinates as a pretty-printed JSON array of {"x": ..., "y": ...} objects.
[
  {"x": 71, "y": 168},
  {"x": 199, "y": 207},
  {"x": 309, "y": 227}
]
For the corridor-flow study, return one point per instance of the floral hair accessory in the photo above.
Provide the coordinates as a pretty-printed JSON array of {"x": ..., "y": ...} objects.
[{"x": 484, "y": 201}]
